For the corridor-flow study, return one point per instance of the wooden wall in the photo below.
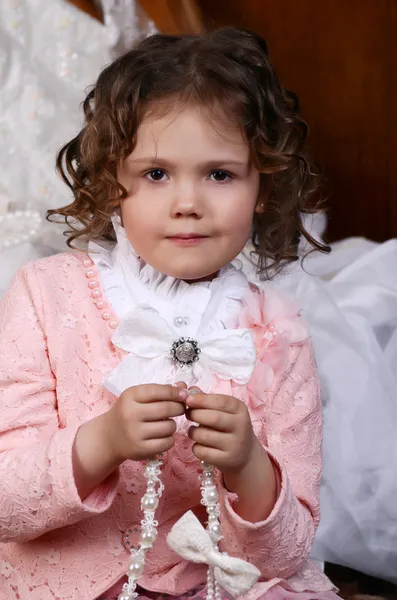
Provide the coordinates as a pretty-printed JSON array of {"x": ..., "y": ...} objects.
[{"x": 88, "y": 7}]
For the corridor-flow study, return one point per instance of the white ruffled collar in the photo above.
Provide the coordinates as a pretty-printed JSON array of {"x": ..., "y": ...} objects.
[
  {"x": 151, "y": 306},
  {"x": 128, "y": 280}
]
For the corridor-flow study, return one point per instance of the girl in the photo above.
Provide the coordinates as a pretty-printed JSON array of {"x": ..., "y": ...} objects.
[{"x": 154, "y": 344}]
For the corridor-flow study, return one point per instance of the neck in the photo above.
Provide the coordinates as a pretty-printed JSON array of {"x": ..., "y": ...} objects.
[{"x": 203, "y": 279}]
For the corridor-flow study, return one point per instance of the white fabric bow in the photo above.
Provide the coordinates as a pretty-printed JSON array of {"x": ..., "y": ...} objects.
[
  {"x": 228, "y": 353},
  {"x": 189, "y": 539}
]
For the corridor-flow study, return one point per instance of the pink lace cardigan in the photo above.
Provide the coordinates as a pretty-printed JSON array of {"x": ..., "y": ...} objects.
[{"x": 55, "y": 351}]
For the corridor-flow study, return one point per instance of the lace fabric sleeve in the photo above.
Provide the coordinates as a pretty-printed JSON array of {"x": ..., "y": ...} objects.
[
  {"x": 279, "y": 545},
  {"x": 37, "y": 489}
]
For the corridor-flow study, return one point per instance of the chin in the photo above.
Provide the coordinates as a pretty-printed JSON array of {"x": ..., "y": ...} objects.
[{"x": 190, "y": 274}]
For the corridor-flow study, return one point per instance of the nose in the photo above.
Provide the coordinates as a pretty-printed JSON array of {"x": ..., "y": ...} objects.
[{"x": 187, "y": 202}]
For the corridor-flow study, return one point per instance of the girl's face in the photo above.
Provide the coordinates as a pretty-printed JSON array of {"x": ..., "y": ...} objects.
[{"x": 192, "y": 192}]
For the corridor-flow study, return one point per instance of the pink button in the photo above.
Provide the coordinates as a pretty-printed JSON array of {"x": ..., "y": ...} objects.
[
  {"x": 93, "y": 284},
  {"x": 87, "y": 262},
  {"x": 96, "y": 293},
  {"x": 101, "y": 304},
  {"x": 113, "y": 324},
  {"x": 106, "y": 315},
  {"x": 91, "y": 273}
]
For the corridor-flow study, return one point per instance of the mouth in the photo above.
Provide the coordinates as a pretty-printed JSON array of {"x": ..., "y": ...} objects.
[{"x": 187, "y": 239}]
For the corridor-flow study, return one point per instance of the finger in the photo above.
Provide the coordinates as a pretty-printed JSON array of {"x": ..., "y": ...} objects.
[
  {"x": 156, "y": 411},
  {"x": 209, "y": 438},
  {"x": 215, "y": 419},
  {"x": 211, "y": 456},
  {"x": 159, "y": 429},
  {"x": 153, "y": 447},
  {"x": 181, "y": 385},
  {"x": 220, "y": 402},
  {"x": 195, "y": 390},
  {"x": 154, "y": 392}
]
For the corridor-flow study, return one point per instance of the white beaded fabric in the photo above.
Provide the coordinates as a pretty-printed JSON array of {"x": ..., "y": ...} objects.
[
  {"x": 49, "y": 53},
  {"x": 125, "y": 21}
]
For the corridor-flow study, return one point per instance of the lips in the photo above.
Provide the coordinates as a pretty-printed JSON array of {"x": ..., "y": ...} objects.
[
  {"x": 187, "y": 239},
  {"x": 186, "y": 236}
]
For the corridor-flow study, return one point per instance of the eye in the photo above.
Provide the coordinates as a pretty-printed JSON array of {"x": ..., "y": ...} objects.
[
  {"x": 156, "y": 175},
  {"x": 220, "y": 176}
]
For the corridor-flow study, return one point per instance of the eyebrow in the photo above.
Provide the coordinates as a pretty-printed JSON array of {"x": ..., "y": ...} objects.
[{"x": 152, "y": 160}]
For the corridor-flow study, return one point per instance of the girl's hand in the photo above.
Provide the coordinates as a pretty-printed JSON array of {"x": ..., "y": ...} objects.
[
  {"x": 224, "y": 437},
  {"x": 140, "y": 423},
  {"x": 138, "y": 426}
]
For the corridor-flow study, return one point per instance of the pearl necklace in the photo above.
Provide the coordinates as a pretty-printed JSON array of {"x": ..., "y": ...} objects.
[{"x": 148, "y": 533}]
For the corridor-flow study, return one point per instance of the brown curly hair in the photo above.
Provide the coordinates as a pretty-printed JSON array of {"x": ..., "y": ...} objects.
[{"x": 227, "y": 69}]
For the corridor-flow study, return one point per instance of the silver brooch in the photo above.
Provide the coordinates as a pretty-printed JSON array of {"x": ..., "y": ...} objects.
[{"x": 185, "y": 351}]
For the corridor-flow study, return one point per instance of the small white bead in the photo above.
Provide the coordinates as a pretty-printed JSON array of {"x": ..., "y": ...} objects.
[
  {"x": 207, "y": 482},
  {"x": 215, "y": 528},
  {"x": 148, "y": 537},
  {"x": 212, "y": 517},
  {"x": 149, "y": 502},
  {"x": 211, "y": 495},
  {"x": 135, "y": 569},
  {"x": 180, "y": 321}
]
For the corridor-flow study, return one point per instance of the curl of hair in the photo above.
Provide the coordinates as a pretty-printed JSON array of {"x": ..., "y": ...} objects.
[{"x": 227, "y": 70}]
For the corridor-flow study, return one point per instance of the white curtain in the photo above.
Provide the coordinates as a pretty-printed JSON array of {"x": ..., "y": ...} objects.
[{"x": 350, "y": 302}]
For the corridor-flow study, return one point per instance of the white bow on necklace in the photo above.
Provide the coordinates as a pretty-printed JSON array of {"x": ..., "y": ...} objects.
[{"x": 191, "y": 541}]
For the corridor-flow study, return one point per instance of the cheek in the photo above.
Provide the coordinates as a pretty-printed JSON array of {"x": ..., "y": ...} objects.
[
  {"x": 136, "y": 208},
  {"x": 134, "y": 218},
  {"x": 239, "y": 215},
  {"x": 243, "y": 201}
]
